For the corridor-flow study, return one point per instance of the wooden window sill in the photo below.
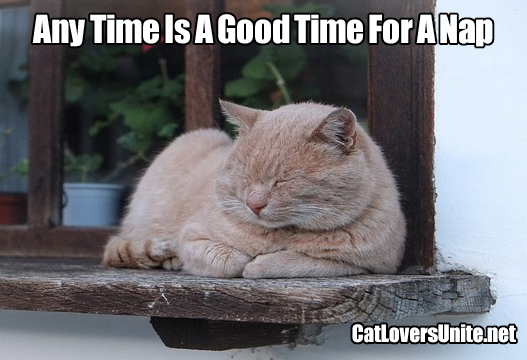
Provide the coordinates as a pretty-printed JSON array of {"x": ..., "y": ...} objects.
[{"x": 86, "y": 287}]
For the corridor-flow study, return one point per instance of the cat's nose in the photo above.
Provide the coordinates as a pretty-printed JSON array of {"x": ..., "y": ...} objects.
[
  {"x": 256, "y": 208},
  {"x": 256, "y": 202}
]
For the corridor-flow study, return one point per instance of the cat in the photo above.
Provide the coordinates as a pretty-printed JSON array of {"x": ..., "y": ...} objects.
[{"x": 303, "y": 191}]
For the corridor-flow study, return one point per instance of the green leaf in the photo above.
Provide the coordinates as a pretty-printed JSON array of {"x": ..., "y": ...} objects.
[
  {"x": 136, "y": 143},
  {"x": 150, "y": 89},
  {"x": 257, "y": 68},
  {"x": 258, "y": 102},
  {"x": 75, "y": 86},
  {"x": 168, "y": 131},
  {"x": 21, "y": 168},
  {"x": 97, "y": 99},
  {"x": 145, "y": 119},
  {"x": 92, "y": 162},
  {"x": 172, "y": 89},
  {"x": 96, "y": 128},
  {"x": 244, "y": 87},
  {"x": 82, "y": 164},
  {"x": 98, "y": 60},
  {"x": 290, "y": 60},
  {"x": 7, "y": 132}
]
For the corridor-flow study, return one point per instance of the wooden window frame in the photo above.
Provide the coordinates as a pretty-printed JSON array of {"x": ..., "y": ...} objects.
[
  {"x": 400, "y": 102},
  {"x": 13, "y": 3}
]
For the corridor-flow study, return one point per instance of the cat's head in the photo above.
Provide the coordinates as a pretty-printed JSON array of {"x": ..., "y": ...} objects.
[{"x": 302, "y": 165}]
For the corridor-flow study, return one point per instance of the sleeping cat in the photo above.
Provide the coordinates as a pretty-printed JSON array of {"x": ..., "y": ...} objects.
[{"x": 302, "y": 192}]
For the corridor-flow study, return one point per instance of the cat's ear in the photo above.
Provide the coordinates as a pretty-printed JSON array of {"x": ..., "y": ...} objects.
[
  {"x": 339, "y": 129},
  {"x": 240, "y": 116}
]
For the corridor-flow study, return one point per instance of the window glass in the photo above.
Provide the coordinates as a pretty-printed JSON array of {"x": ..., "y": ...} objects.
[{"x": 14, "y": 25}]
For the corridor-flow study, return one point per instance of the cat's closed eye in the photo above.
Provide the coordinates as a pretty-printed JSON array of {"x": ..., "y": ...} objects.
[{"x": 281, "y": 182}]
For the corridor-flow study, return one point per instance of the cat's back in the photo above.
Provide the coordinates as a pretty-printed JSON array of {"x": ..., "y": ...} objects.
[{"x": 178, "y": 181}]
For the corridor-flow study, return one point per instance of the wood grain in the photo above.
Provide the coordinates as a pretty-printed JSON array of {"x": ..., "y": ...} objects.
[
  {"x": 401, "y": 105},
  {"x": 202, "y": 73},
  {"x": 45, "y": 126},
  {"x": 84, "y": 286}
]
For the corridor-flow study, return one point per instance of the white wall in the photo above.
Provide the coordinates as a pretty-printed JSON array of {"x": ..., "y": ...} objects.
[{"x": 481, "y": 173}]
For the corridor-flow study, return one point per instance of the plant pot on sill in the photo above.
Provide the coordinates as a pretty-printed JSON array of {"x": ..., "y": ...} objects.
[
  {"x": 13, "y": 208},
  {"x": 89, "y": 204}
]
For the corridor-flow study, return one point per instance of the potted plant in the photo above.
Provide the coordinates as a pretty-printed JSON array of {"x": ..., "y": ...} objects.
[
  {"x": 89, "y": 203},
  {"x": 13, "y": 208},
  {"x": 13, "y": 205},
  {"x": 146, "y": 110}
]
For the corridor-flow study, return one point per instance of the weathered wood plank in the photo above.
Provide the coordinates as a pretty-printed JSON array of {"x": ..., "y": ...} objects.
[
  {"x": 66, "y": 242},
  {"x": 401, "y": 105},
  {"x": 45, "y": 125},
  {"x": 84, "y": 286},
  {"x": 202, "y": 73}
]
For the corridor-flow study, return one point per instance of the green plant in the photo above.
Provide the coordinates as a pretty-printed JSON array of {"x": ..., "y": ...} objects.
[
  {"x": 6, "y": 133},
  {"x": 82, "y": 165},
  {"x": 281, "y": 74},
  {"x": 147, "y": 115},
  {"x": 20, "y": 168},
  {"x": 271, "y": 78},
  {"x": 149, "y": 108}
]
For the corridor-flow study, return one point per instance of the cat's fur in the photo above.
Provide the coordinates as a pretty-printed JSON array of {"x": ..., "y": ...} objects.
[{"x": 324, "y": 202}]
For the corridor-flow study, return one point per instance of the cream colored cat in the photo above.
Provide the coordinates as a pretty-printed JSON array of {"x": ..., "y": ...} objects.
[{"x": 302, "y": 192}]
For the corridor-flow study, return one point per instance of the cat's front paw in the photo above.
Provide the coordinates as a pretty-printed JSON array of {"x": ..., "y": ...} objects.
[
  {"x": 262, "y": 266},
  {"x": 173, "y": 263},
  {"x": 209, "y": 258},
  {"x": 288, "y": 264},
  {"x": 151, "y": 253}
]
